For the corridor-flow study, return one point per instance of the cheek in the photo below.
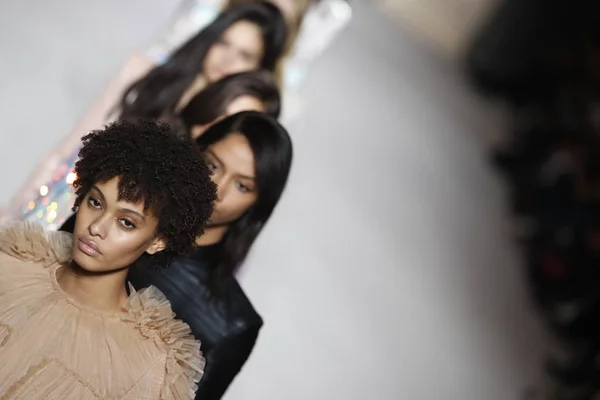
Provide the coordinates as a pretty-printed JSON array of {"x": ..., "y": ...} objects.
[
  {"x": 123, "y": 251},
  {"x": 126, "y": 252},
  {"x": 83, "y": 218},
  {"x": 115, "y": 256},
  {"x": 235, "y": 206},
  {"x": 211, "y": 58}
]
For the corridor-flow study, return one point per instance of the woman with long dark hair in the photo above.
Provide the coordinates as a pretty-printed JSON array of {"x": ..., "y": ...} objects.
[
  {"x": 243, "y": 38},
  {"x": 246, "y": 91},
  {"x": 248, "y": 191},
  {"x": 250, "y": 155},
  {"x": 194, "y": 15},
  {"x": 312, "y": 27}
]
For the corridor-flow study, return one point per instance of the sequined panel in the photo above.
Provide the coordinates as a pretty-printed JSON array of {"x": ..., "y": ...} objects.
[{"x": 55, "y": 199}]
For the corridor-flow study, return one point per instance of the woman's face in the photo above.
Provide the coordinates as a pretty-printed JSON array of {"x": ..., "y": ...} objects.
[
  {"x": 110, "y": 234},
  {"x": 240, "y": 49},
  {"x": 232, "y": 162},
  {"x": 239, "y": 104}
]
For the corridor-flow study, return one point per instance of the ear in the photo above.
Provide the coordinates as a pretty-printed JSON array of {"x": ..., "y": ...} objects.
[{"x": 158, "y": 244}]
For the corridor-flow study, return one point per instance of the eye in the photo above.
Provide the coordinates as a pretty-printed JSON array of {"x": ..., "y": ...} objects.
[
  {"x": 242, "y": 188},
  {"x": 127, "y": 224},
  {"x": 94, "y": 203},
  {"x": 211, "y": 165}
]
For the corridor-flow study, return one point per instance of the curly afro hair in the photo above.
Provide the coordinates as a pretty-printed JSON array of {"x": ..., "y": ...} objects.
[{"x": 154, "y": 166}]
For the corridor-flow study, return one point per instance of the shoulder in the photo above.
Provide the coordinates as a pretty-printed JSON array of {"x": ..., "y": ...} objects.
[
  {"x": 186, "y": 284},
  {"x": 233, "y": 307},
  {"x": 150, "y": 312},
  {"x": 244, "y": 314},
  {"x": 28, "y": 241}
]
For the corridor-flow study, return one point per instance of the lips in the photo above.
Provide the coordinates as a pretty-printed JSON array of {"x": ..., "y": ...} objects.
[{"x": 88, "y": 247}]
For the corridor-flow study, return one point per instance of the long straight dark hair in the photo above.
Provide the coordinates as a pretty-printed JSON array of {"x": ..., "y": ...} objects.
[
  {"x": 161, "y": 89},
  {"x": 212, "y": 102},
  {"x": 272, "y": 149}
]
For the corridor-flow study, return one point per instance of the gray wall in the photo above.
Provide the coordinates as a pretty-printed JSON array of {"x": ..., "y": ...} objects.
[{"x": 386, "y": 271}]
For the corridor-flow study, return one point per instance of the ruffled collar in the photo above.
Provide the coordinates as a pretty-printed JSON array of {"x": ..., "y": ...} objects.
[
  {"x": 146, "y": 311},
  {"x": 28, "y": 241}
]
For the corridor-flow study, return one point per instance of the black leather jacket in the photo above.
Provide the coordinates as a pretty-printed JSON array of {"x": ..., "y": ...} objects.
[{"x": 227, "y": 326}]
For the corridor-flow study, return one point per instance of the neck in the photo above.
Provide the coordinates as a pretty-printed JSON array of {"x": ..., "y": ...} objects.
[
  {"x": 212, "y": 235},
  {"x": 101, "y": 292}
]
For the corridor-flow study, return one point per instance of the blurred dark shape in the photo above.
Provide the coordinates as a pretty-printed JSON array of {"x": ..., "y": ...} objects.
[
  {"x": 529, "y": 47},
  {"x": 542, "y": 58}
]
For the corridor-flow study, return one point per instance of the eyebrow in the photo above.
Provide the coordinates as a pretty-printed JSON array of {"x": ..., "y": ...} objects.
[
  {"x": 130, "y": 211},
  {"x": 221, "y": 162},
  {"x": 99, "y": 192},
  {"x": 123, "y": 210}
]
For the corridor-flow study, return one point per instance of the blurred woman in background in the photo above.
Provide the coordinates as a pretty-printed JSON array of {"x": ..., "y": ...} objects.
[
  {"x": 244, "y": 38},
  {"x": 246, "y": 91},
  {"x": 194, "y": 15},
  {"x": 312, "y": 27},
  {"x": 294, "y": 12}
]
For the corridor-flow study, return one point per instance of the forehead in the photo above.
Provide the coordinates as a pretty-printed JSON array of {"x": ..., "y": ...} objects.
[
  {"x": 123, "y": 195},
  {"x": 235, "y": 151},
  {"x": 244, "y": 34},
  {"x": 245, "y": 103}
]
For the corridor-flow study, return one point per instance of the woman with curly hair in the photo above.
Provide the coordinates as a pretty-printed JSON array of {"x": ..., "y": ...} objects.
[
  {"x": 250, "y": 156},
  {"x": 68, "y": 327}
]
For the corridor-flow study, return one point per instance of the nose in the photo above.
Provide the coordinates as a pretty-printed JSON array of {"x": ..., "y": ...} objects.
[
  {"x": 220, "y": 192},
  {"x": 230, "y": 57},
  {"x": 98, "y": 227},
  {"x": 222, "y": 189}
]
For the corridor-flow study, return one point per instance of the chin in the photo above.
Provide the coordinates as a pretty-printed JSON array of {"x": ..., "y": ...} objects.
[
  {"x": 218, "y": 223},
  {"x": 215, "y": 76},
  {"x": 84, "y": 261},
  {"x": 91, "y": 265}
]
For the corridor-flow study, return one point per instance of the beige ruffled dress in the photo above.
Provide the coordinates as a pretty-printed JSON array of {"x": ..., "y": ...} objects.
[{"x": 52, "y": 348}]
